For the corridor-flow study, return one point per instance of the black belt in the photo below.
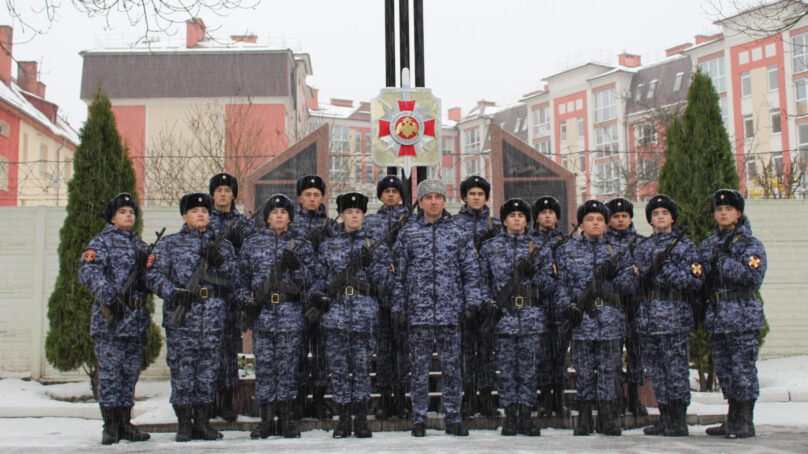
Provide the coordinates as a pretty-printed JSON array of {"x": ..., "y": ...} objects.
[
  {"x": 278, "y": 297},
  {"x": 605, "y": 299},
  {"x": 356, "y": 286},
  {"x": 526, "y": 297},
  {"x": 666, "y": 294},
  {"x": 205, "y": 293},
  {"x": 716, "y": 297}
]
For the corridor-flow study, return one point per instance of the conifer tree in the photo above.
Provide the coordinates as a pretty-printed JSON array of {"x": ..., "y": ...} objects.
[{"x": 101, "y": 169}]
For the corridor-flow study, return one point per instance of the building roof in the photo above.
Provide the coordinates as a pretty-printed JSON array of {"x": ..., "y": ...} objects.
[
  {"x": 507, "y": 119},
  {"x": 178, "y": 73},
  {"x": 14, "y": 97},
  {"x": 664, "y": 73}
]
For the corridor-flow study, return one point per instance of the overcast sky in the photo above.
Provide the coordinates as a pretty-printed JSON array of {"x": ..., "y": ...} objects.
[{"x": 493, "y": 50}]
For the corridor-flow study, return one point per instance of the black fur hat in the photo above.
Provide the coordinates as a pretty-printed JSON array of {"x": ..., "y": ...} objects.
[
  {"x": 547, "y": 202},
  {"x": 223, "y": 179},
  {"x": 389, "y": 181},
  {"x": 661, "y": 201},
  {"x": 514, "y": 205},
  {"x": 123, "y": 199},
  {"x": 279, "y": 201},
  {"x": 593, "y": 206},
  {"x": 310, "y": 181},
  {"x": 729, "y": 197},
  {"x": 620, "y": 205},
  {"x": 352, "y": 200},
  {"x": 195, "y": 199},
  {"x": 475, "y": 182}
]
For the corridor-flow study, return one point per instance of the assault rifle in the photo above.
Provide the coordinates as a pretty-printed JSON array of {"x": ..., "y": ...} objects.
[
  {"x": 125, "y": 294},
  {"x": 202, "y": 273}
]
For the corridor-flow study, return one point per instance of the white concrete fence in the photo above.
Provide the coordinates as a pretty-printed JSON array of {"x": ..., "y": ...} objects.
[{"x": 30, "y": 236}]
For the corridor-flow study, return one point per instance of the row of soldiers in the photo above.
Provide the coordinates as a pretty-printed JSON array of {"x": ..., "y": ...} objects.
[{"x": 511, "y": 295}]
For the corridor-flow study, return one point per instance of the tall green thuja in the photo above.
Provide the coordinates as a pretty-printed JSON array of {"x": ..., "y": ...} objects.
[
  {"x": 698, "y": 161},
  {"x": 101, "y": 169}
]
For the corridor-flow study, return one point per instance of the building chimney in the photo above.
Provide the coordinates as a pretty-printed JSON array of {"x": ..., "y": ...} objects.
[
  {"x": 195, "y": 32},
  {"x": 341, "y": 102},
  {"x": 677, "y": 49},
  {"x": 6, "y": 34},
  {"x": 26, "y": 76},
  {"x": 700, "y": 39},
  {"x": 40, "y": 90},
  {"x": 483, "y": 103},
  {"x": 629, "y": 60},
  {"x": 252, "y": 39},
  {"x": 313, "y": 103},
  {"x": 455, "y": 114}
]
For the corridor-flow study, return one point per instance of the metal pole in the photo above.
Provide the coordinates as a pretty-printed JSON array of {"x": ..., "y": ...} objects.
[
  {"x": 418, "y": 22},
  {"x": 404, "y": 61},
  {"x": 390, "y": 53}
]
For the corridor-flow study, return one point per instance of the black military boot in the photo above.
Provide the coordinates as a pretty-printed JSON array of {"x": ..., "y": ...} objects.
[
  {"x": 184, "y": 432},
  {"x": 745, "y": 425},
  {"x": 635, "y": 406},
  {"x": 402, "y": 405},
  {"x": 226, "y": 405},
  {"x": 361, "y": 429},
  {"x": 299, "y": 407},
  {"x": 126, "y": 430},
  {"x": 545, "y": 406},
  {"x": 320, "y": 409},
  {"x": 559, "y": 407},
  {"x": 510, "y": 426},
  {"x": 111, "y": 424},
  {"x": 343, "y": 429},
  {"x": 267, "y": 425},
  {"x": 526, "y": 426},
  {"x": 418, "y": 429},
  {"x": 384, "y": 408},
  {"x": 467, "y": 405},
  {"x": 584, "y": 426},
  {"x": 456, "y": 428},
  {"x": 721, "y": 430},
  {"x": 487, "y": 403},
  {"x": 202, "y": 429},
  {"x": 607, "y": 412},
  {"x": 286, "y": 422},
  {"x": 677, "y": 419},
  {"x": 661, "y": 425}
]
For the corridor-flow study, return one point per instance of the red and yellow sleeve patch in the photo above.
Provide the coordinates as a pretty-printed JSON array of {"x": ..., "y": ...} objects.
[
  {"x": 150, "y": 260},
  {"x": 754, "y": 262},
  {"x": 696, "y": 269},
  {"x": 89, "y": 255}
]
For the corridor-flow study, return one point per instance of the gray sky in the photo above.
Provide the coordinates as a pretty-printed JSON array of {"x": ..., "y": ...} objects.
[{"x": 494, "y": 50}]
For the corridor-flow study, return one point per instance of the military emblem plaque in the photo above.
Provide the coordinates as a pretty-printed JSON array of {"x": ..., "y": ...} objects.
[{"x": 405, "y": 128}]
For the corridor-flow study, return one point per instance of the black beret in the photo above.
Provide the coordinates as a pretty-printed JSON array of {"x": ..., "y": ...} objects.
[
  {"x": 475, "y": 182},
  {"x": 123, "y": 199},
  {"x": 592, "y": 206},
  {"x": 514, "y": 205},
  {"x": 223, "y": 179},
  {"x": 547, "y": 202},
  {"x": 195, "y": 199},
  {"x": 310, "y": 181},
  {"x": 389, "y": 181},
  {"x": 621, "y": 205},
  {"x": 729, "y": 197},
  {"x": 279, "y": 201},
  {"x": 352, "y": 200},
  {"x": 661, "y": 201}
]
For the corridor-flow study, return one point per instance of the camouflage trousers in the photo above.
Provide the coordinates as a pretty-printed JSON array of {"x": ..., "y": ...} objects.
[
  {"x": 118, "y": 370},
  {"x": 735, "y": 356},
  {"x": 349, "y": 358},
  {"x": 597, "y": 363},
  {"x": 479, "y": 360},
  {"x": 423, "y": 339},
  {"x": 518, "y": 358},
  {"x": 312, "y": 372},
  {"x": 193, "y": 360},
  {"x": 228, "y": 360},
  {"x": 634, "y": 359},
  {"x": 667, "y": 360},
  {"x": 276, "y": 358},
  {"x": 553, "y": 366},
  {"x": 392, "y": 355}
]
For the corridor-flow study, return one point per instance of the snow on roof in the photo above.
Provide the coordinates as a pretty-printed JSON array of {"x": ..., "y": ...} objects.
[
  {"x": 13, "y": 96},
  {"x": 333, "y": 111},
  {"x": 617, "y": 69}
]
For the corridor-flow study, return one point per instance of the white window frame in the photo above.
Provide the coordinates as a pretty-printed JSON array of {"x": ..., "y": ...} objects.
[
  {"x": 638, "y": 93},
  {"x": 608, "y": 177},
  {"x": 581, "y": 127},
  {"x": 5, "y": 168},
  {"x": 471, "y": 143},
  {"x": 799, "y": 51},
  {"x": 564, "y": 130},
  {"x": 749, "y": 126},
  {"x": 746, "y": 84},
  {"x": 651, "y": 89},
  {"x": 677, "y": 81},
  {"x": 605, "y": 106},
  {"x": 773, "y": 78},
  {"x": 715, "y": 68},
  {"x": 801, "y": 96},
  {"x": 447, "y": 146},
  {"x": 541, "y": 119},
  {"x": 606, "y": 141},
  {"x": 545, "y": 147},
  {"x": 340, "y": 140},
  {"x": 645, "y": 133},
  {"x": 775, "y": 122}
]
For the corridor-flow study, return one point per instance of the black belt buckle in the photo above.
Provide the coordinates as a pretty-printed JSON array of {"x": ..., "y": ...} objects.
[
  {"x": 519, "y": 301},
  {"x": 203, "y": 293},
  {"x": 275, "y": 298},
  {"x": 349, "y": 291},
  {"x": 137, "y": 303},
  {"x": 599, "y": 302}
]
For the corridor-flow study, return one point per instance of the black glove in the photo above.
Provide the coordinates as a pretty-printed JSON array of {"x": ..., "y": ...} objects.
[
  {"x": 316, "y": 236},
  {"x": 608, "y": 271},
  {"x": 489, "y": 309},
  {"x": 659, "y": 261},
  {"x": 251, "y": 312},
  {"x": 490, "y": 233},
  {"x": 290, "y": 260},
  {"x": 400, "y": 322},
  {"x": 573, "y": 315},
  {"x": 181, "y": 297},
  {"x": 212, "y": 255},
  {"x": 320, "y": 304},
  {"x": 365, "y": 256},
  {"x": 118, "y": 308},
  {"x": 236, "y": 238},
  {"x": 469, "y": 315},
  {"x": 523, "y": 267}
]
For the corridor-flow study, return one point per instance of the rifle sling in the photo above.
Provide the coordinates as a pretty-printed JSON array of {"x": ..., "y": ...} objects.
[{"x": 717, "y": 297}]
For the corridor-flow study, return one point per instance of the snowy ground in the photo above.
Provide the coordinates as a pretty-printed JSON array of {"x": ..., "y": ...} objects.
[{"x": 38, "y": 418}]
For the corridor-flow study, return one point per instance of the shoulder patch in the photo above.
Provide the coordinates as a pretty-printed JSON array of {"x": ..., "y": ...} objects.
[
  {"x": 150, "y": 260},
  {"x": 696, "y": 269},
  {"x": 89, "y": 255},
  {"x": 754, "y": 262}
]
